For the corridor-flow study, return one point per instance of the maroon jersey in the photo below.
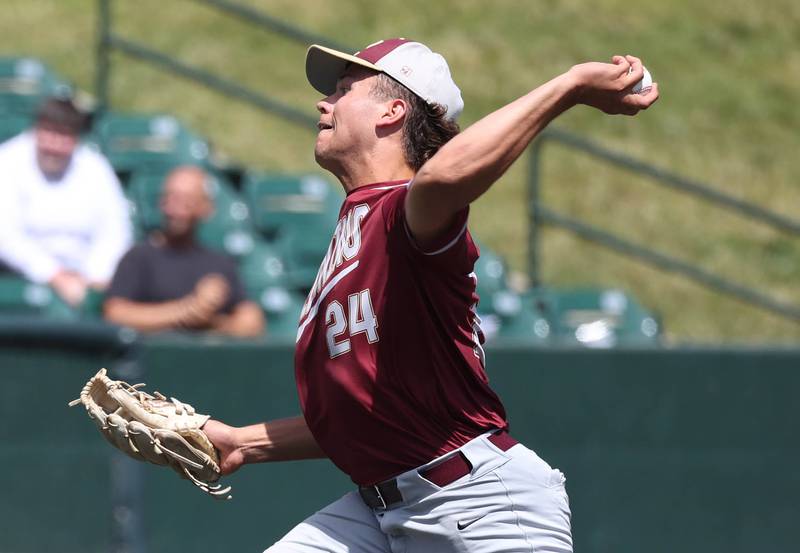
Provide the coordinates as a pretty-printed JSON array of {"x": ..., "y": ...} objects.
[{"x": 389, "y": 363}]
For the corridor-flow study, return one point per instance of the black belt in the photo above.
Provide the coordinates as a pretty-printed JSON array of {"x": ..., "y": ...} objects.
[{"x": 386, "y": 494}]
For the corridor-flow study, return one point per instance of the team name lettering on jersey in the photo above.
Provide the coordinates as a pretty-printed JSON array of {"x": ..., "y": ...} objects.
[{"x": 344, "y": 247}]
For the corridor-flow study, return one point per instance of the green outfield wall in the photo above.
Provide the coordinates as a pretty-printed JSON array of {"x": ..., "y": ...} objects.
[{"x": 668, "y": 450}]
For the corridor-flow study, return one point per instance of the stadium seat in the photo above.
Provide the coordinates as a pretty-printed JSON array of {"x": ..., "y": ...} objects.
[
  {"x": 135, "y": 141},
  {"x": 92, "y": 306},
  {"x": 228, "y": 229},
  {"x": 599, "y": 318},
  {"x": 283, "y": 203},
  {"x": 282, "y": 308},
  {"x": 25, "y": 82},
  {"x": 262, "y": 268},
  {"x": 297, "y": 213},
  {"x": 263, "y": 272},
  {"x": 11, "y": 124},
  {"x": 490, "y": 270},
  {"x": 519, "y": 318},
  {"x": 20, "y": 297}
]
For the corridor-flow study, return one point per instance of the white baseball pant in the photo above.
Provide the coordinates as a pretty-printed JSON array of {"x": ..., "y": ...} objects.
[{"x": 512, "y": 501}]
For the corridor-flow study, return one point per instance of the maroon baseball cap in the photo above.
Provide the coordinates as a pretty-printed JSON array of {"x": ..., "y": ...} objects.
[{"x": 412, "y": 64}]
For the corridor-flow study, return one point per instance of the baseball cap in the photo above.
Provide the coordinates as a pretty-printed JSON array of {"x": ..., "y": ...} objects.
[{"x": 412, "y": 64}]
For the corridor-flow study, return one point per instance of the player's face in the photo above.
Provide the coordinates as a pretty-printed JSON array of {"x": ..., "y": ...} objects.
[
  {"x": 54, "y": 148},
  {"x": 347, "y": 119}
]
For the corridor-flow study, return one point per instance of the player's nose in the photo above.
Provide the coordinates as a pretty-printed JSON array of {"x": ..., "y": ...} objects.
[{"x": 324, "y": 106}]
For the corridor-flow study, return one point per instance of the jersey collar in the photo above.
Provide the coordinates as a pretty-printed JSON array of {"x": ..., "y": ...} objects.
[{"x": 374, "y": 185}]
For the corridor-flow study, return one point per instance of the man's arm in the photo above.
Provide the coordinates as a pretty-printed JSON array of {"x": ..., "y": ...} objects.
[
  {"x": 245, "y": 321},
  {"x": 148, "y": 317},
  {"x": 195, "y": 310},
  {"x": 278, "y": 440},
  {"x": 472, "y": 161}
]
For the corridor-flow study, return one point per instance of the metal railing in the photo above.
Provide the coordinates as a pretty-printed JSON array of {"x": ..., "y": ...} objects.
[
  {"x": 109, "y": 41},
  {"x": 539, "y": 214}
]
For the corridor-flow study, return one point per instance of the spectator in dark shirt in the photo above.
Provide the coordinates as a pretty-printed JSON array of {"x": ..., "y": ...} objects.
[{"x": 170, "y": 281}]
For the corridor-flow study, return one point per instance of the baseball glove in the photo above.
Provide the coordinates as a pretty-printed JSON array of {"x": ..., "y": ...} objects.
[{"x": 155, "y": 429}]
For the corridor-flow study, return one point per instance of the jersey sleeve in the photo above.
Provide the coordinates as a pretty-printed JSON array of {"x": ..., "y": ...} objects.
[{"x": 453, "y": 246}]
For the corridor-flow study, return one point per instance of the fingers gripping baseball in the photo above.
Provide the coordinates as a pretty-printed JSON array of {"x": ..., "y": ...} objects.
[{"x": 612, "y": 87}]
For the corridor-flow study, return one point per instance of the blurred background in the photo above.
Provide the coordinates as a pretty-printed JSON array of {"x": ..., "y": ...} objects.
[
  {"x": 726, "y": 120},
  {"x": 638, "y": 275}
]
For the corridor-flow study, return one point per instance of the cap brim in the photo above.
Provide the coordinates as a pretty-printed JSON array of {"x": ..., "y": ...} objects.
[{"x": 325, "y": 65}]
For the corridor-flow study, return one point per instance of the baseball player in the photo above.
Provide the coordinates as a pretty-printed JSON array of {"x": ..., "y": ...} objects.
[{"x": 389, "y": 364}]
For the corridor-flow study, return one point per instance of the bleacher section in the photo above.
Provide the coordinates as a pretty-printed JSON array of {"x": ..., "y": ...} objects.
[
  {"x": 278, "y": 227},
  {"x": 24, "y": 82}
]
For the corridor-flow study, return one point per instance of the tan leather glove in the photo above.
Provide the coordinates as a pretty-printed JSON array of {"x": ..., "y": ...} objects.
[{"x": 155, "y": 429}]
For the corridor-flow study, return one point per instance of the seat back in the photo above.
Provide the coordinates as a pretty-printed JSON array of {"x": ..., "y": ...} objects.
[
  {"x": 598, "y": 317},
  {"x": 282, "y": 309},
  {"x": 140, "y": 141},
  {"x": 21, "y": 297},
  {"x": 12, "y": 124},
  {"x": 25, "y": 82},
  {"x": 297, "y": 213}
]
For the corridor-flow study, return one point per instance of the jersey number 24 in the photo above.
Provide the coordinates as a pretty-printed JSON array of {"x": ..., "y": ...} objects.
[{"x": 357, "y": 317}]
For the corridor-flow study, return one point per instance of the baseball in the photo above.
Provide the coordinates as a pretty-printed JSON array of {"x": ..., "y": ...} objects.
[{"x": 643, "y": 86}]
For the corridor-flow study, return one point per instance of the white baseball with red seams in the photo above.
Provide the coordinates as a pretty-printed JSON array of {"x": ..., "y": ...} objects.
[{"x": 643, "y": 86}]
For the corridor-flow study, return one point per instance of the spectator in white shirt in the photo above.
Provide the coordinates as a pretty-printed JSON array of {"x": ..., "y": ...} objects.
[{"x": 63, "y": 217}]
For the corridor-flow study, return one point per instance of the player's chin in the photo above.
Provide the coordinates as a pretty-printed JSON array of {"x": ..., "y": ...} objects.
[{"x": 322, "y": 155}]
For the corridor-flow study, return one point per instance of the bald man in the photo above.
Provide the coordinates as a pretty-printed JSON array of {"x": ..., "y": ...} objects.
[{"x": 172, "y": 282}]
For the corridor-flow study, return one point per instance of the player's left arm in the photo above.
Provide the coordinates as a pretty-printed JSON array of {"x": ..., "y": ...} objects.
[
  {"x": 464, "y": 168},
  {"x": 277, "y": 440}
]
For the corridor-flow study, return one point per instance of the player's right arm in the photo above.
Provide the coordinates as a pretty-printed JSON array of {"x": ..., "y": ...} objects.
[
  {"x": 278, "y": 440},
  {"x": 464, "y": 168}
]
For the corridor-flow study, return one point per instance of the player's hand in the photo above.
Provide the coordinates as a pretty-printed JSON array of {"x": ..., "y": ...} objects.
[
  {"x": 70, "y": 286},
  {"x": 607, "y": 86},
  {"x": 223, "y": 437}
]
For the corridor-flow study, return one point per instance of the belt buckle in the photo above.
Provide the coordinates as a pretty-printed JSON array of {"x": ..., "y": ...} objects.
[{"x": 380, "y": 496}]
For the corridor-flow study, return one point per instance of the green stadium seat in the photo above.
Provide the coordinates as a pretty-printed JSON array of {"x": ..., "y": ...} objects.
[
  {"x": 262, "y": 268},
  {"x": 228, "y": 229},
  {"x": 490, "y": 270},
  {"x": 92, "y": 306},
  {"x": 21, "y": 297},
  {"x": 519, "y": 318},
  {"x": 597, "y": 317},
  {"x": 25, "y": 82},
  {"x": 135, "y": 141},
  {"x": 282, "y": 309},
  {"x": 283, "y": 203},
  {"x": 263, "y": 272},
  {"x": 298, "y": 213},
  {"x": 303, "y": 254},
  {"x": 12, "y": 124}
]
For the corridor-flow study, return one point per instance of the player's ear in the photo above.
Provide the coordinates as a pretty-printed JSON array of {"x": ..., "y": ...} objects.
[{"x": 393, "y": 112}]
